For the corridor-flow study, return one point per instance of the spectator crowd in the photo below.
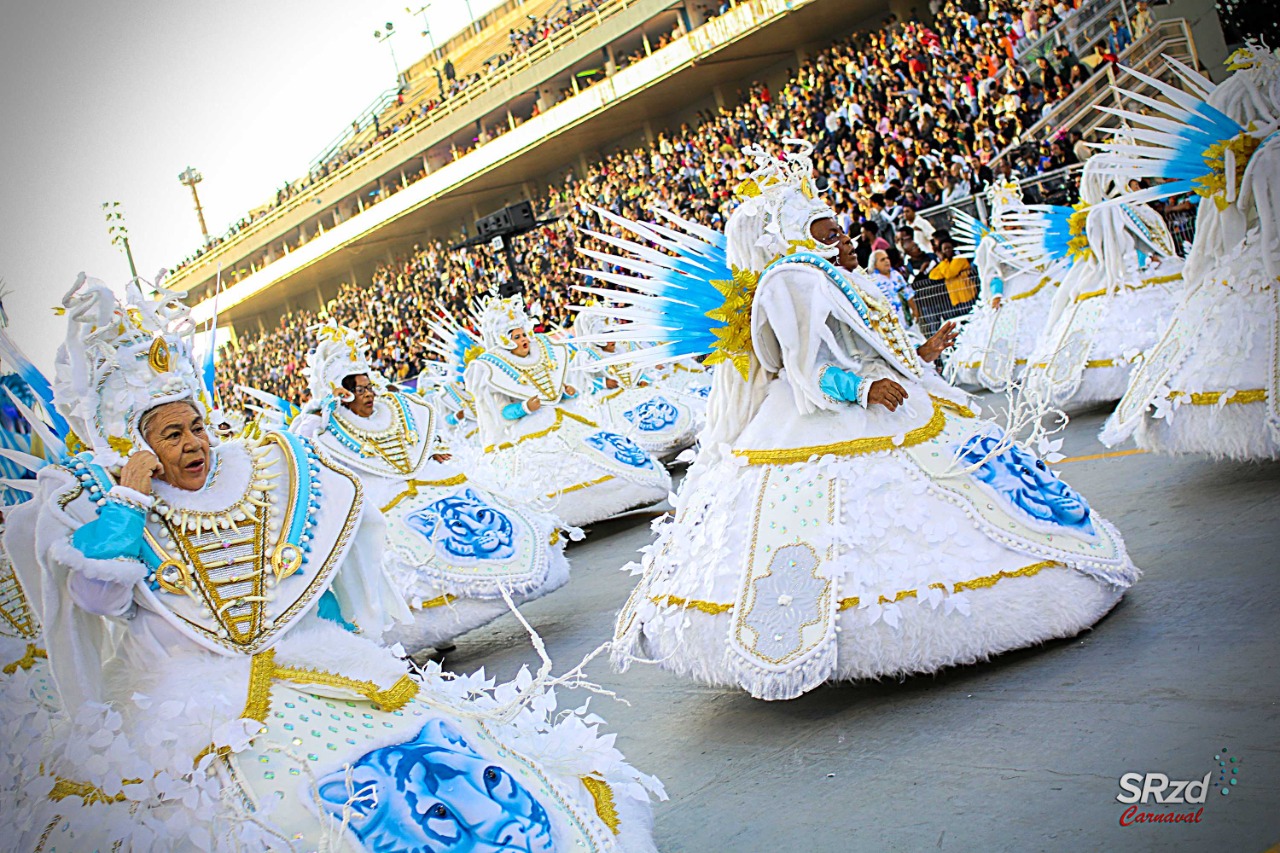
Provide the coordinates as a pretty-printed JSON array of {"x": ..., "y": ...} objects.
[{"x": 904, "y": 118}]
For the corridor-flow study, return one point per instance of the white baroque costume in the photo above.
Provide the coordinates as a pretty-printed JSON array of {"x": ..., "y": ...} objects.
[
  {"x": 587, "y": 473},
  {"x": 818, "y": 538},
  {"x": 995, "y": 344},
  {"x": 219, "y": 678},
  {"x": 1212, "y": 383},
  {"x": 451, "y": 546},
  {"x": 1110, "y": 307},
  {"x": 657, "y": 420}
]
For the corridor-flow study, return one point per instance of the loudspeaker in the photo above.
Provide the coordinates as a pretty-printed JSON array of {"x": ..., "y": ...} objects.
[
  {"x": 494, "y": 223},
  {"x": 515, "y": 219},
  {"x": 521, "y": 215}
]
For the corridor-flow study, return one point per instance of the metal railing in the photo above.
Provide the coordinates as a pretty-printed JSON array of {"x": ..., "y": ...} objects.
[
  {"x": 933, "y": 299},
  {"x": 1077, "y": 112},
  {"x": 1061, "y": 186},
  {"x": 1078, "y": 31},
  {"x": 412, "y": 132},
  {"x": 359, "y": 123}
]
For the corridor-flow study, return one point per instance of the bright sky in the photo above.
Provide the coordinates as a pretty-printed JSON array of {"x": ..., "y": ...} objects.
[{"x": 109, "y": 101}]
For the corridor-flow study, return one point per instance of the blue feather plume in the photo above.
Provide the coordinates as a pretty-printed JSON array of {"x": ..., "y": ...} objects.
[{"x": 661, "y": 286}]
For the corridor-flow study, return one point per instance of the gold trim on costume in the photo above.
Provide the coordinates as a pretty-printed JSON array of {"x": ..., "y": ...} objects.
[
  {"x": 1027, "y": 294},
  {"x": 983, "y": 582},
  {"x": 1146, "y": 282},
  {"x": 258, "y": 702},
  {"x": 859, "y": 446},
  {"x": 28, "y": 660},
  {"x": 393, "y": 698},
  {"x": 561, "y": 414},
  {"x": 412, "y": 486},
  {"x": 579, "y": 486},
  {"x": 692, "y": 604},
  {"x": 263, "y": 671},
  {"x": 605, "y": 806},
  {"x": 91, "y": 794},
  {"x": 438, "y": 601},
  {"x": 1211, "y": 398}
]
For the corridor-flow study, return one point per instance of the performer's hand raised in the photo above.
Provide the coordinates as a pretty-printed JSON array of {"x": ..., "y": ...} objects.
[
  {"x": 887, "y": 393},
  {"x": 942, "y": 340},
  {"x": 139, "y": 470},
  {"x": 610, "y": 382}
]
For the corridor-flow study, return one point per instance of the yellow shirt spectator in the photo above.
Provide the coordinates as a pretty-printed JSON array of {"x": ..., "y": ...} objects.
[{"x": 961, "y": 285}]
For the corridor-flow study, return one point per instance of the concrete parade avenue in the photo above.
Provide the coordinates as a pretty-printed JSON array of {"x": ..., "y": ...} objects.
[{"x": 1022, "y": 753}]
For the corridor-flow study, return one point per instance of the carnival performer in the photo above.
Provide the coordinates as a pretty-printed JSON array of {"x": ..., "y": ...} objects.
[
  {"x": 1110, "y": 307},
  {"x": 19, "y": 625},
  {"x": 626, "y": 400},
  {"x": 443, "y": 382},
  {"x": 1212, "y": 383},
  {"x": 1013, "y": 297},
  {"x": 848, "y": 516},
  {"x": 20, "y": 644},
  {"x": 213, "y": 615},
  {"x": 533, "y": 430},
  {"x": 452, "y": 547}
]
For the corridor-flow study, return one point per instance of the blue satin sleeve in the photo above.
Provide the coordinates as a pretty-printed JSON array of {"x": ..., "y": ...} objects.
[
  {"x": 839, "y": 384},
  {"x": 514, "y": 411},
  {"x": 115, "y": 533},
  {"x": 997, "y": 286}
]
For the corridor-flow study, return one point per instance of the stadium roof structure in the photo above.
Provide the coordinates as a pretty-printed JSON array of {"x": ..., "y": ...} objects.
[{"x": 329, "y": 234}]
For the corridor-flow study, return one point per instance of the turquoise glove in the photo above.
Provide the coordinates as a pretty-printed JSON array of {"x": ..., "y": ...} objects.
[
  {"x": 840, "y": 384},
  {"x": 115, "y": 533}
]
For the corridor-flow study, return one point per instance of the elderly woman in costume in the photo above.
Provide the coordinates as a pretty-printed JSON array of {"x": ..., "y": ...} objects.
[
  {"x": 1212, "y": 383},
  {"x": 526, "y": 391},
  {"x": 627, "y": 400},
  {"x": 213, "y": 615},
  {"x": 848, "y": 516},
  {"x": 1013, "y": 299},
  {"x": 452, "y": 547}
]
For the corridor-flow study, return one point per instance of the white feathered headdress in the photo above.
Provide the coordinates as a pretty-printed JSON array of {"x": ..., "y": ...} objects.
[
  {"x": 1002, "y": 194},
  {"x": 499, "y": 318},
  {"x": 781, "y": 201},
  {"x": 121, "y": 360},
  {"x": 340, "y": 352}
]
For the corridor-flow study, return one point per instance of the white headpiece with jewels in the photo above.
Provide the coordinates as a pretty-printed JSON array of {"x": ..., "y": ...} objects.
[
  {"x": 781, "y": 195},
  {"x": 1004, "y": 194},
  {"x": 119, "y": 361},
  {"x": 340, "y": 352},
  {"x": 592, "y": 321},
  {"x": 499, "y": 318}
]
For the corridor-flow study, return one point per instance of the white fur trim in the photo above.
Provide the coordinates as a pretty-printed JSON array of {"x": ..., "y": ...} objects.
[{"x": 123, "y": 570}]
